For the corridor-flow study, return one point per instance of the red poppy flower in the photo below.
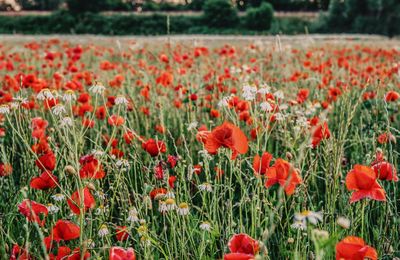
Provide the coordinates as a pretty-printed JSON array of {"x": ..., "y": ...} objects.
[
  {"x": 19, "y": 253},
  {"x": 116, "y": 120},
  {"x": 122, "y": 233},
  {"x": 320, "y": 133},
  {"x": 75, "y": 201},
  {"x": 302, "y": 95},
  {"x": 33, "y": 211},
  {"x": 283, "y": 173},
  {"x": 128, "y": 136},
  {"x": 197, "y": 169},
  {"x": 91, "y": 167},
  {"x": 119, "y": 253},
  {"x": 260, "y": 165},
  {"x": 362, "y": 180},
  {"x": 39, "y": 126},
  {"x": 171, "y": 181},
  {"x": 354, "y": 248},
  {"x": 383, "y": 169},
  {"x": 202, "y": 135},
  {"x": 243, "y": 243},
  {"x": 238, "y": 256},
  {"x": 154, "y": 147},
  {"x": 228, "y": 136},
  {"x": 65, "y": 253},
  {"x": 172, "y": 160},
  {"x": 5, "y": 169},
  {"x": 101, "y": 112},
  {"x": 392, "y": 96},
  {"x": 45, "y": 181},
  {"x": 46, "y": 162},
  {"x": 157, "y": 192},
  {"x": 386, "y": 137},
  {"x": 65, "y": 230}
]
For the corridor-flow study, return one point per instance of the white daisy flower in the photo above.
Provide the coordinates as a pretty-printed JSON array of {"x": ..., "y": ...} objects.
[
  {"x": 98, "y": 88},
  {"x": 206, "y": 226},
  {"x": 103, "y": 231},
  {"x": 170, "y": 204},
  {"x": 265, "y": 89},
  {"x": 4, "y": 109},
  {"x": 224, "y": 102},
  {"x": 309, "y": 216},
  {"x": 101, "y": 210},
  {"x": 132, "y": 215},
  {"x": 69, "y": 96},
  {"x": 58, "y": 197},
  {"x": 205, "y": 187},
  {"x": 45, "y": 94},
  {"x": 58, "y": 110},
  {"x": 266, "y": 106},
  {"x": 67, "y": 121},
  {"x": 52, "y": 208},
  {"x": 183, "y": 209},
  {"x": 279, "y": 94},
  {"x": 162, "y": 207},
  {"x": 299, "y": 225},
  {"x": 121, "y": 100},
  {"x": 249, "y": 92}
]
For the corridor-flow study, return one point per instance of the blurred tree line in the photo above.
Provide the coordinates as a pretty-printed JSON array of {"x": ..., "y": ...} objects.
[
  {"x": 361, "y": 16},
  {"x": 163, "y": 5}
]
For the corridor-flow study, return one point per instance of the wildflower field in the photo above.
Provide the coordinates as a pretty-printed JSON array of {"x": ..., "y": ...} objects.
[{"x": 256, "y": 149}]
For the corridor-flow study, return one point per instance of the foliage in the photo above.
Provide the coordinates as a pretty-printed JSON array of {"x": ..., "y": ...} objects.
[
  {"x": 79, "y": 6},
  {"x": 260, "y": 18},
  {"x": 220, "y": 13},
  {"x": 359, "y": 16}
]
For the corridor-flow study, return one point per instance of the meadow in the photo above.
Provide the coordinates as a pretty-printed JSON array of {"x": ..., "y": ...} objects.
[{"x": 267, "y": 148}]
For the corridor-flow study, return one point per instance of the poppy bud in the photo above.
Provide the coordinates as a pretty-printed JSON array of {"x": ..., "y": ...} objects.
[
  {"x": 70, "y": 170},
  {"x": 289, "y": 156},
  {"x": 91, "y": 186}
]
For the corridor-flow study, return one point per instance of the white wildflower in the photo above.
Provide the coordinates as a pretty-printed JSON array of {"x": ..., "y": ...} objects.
[
  {"x": 205, "y": 187},
  {"x": 279, "y": 94},
  {"x": 192, "y": 126},
  {"x": 58, "y": 110},
  {"x": 162, "y": 207},
  {"x": 58, "y": 197},
  {"x": 264, "y": 89},
  {"x": 343, "y": 222},
  {"x": 132, "y": 215},
  {"x": 66, "y": 121},
  {"x": 266, "y": 106},
  {"x": 121, "y": 100},
  {"x": 309, "y": 216},
  {"x": 52, "y": 208},
  {"x": 101, "y": 210},
  {"x": 206, "y": 226},
  {"x": 45, "y": 94},
  {"x": 69, "y": 96},
  {"x": 98, "y": 88},
  {"x": 4, "y": 109},
  {"x": 103, "y": 231},
  {"x": 123, "y": 164},
  {"x": 299, "y": 225},
  {"x": 224, "y": 102},
  {"x": 249, "y": 92},
  {"x": 183, "y": 209}
]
